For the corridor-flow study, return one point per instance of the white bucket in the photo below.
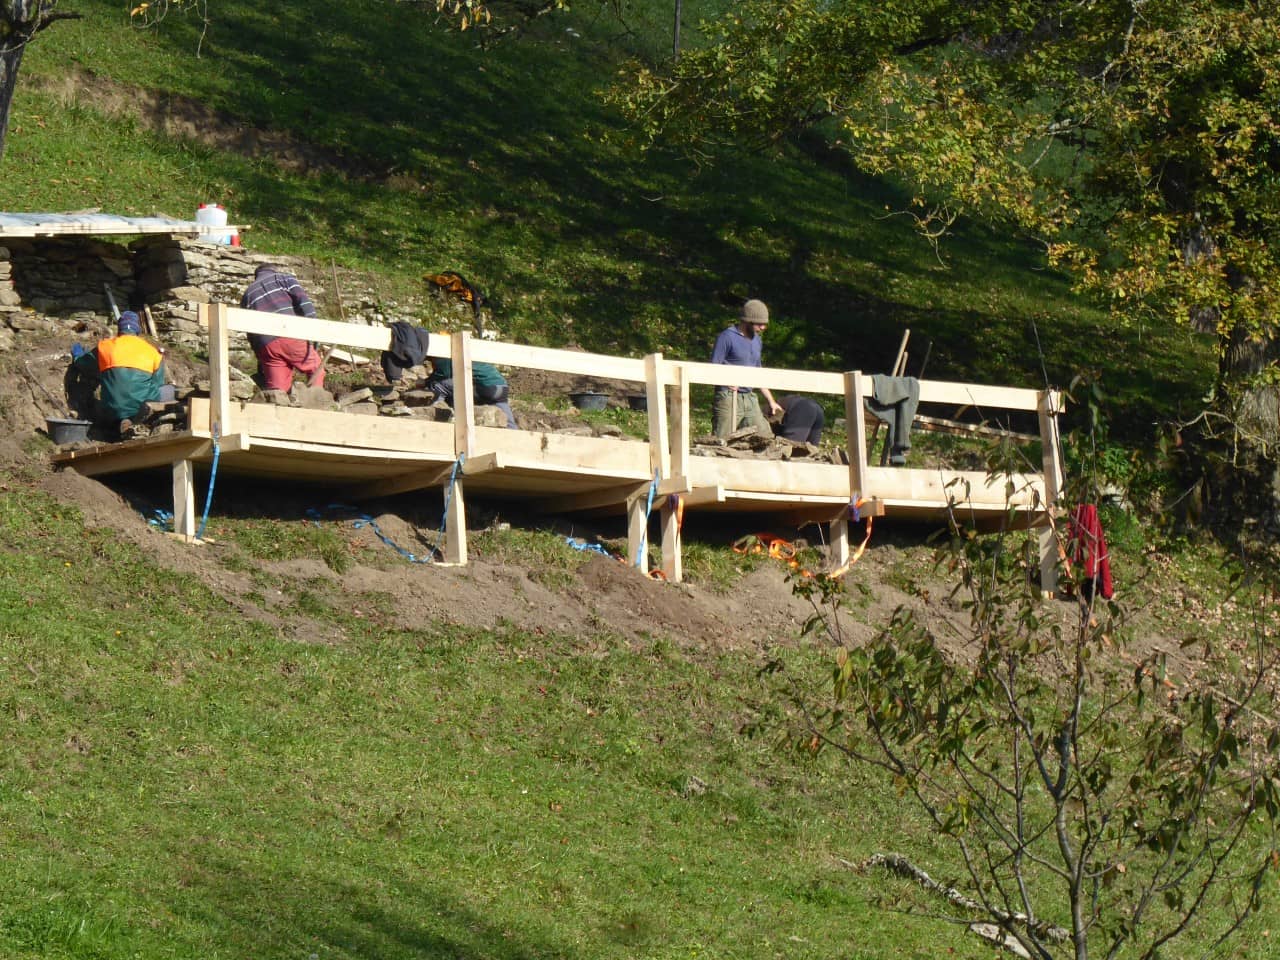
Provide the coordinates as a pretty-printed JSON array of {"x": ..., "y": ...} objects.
[{"x": 213, "y": 215}]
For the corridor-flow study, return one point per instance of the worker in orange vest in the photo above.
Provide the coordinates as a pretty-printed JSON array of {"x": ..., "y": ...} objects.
[{"x": 130, "y": 371}]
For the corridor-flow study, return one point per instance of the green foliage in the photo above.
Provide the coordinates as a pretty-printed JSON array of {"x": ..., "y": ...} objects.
[
  {"x": 1141, "y": 150},
  {"x": 1097, "y": 802},
  {"x": 404, "y": 179}
]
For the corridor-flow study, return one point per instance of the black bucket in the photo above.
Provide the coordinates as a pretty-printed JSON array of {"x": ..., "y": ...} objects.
[
  {"x": 638, "y": 401},
  {"x": 589, "y": 401},
  {"x": 67, "y": 431}
]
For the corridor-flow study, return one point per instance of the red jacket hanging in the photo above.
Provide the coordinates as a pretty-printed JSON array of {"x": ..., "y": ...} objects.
[{"x": 1091, "y": 548}]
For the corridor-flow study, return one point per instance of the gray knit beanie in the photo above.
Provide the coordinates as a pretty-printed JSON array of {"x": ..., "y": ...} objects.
[{"x": 754, "y": 311}]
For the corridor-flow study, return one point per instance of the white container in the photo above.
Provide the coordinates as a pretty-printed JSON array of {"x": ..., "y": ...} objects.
[{"x": 213, "y": 215}]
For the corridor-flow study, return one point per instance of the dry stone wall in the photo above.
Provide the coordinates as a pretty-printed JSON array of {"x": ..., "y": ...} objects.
[{"x": 58, "y": 284}]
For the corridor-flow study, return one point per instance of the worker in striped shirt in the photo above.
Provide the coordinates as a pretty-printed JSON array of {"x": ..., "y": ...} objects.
[{"x": 276, "y": 291}]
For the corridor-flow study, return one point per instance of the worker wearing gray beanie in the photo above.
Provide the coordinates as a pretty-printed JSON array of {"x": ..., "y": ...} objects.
[{"x": 740, "y": 345}]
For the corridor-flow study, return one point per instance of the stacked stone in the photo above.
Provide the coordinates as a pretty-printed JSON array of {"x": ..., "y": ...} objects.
[
  {"x": 54, "y": 284},
  {"x": 10, "y": 302}
]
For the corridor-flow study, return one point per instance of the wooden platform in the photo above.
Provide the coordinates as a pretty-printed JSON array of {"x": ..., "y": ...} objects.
[{"x": 379, "y": 456}]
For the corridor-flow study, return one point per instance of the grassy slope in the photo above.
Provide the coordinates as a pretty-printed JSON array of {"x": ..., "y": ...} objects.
[
  {"x": 193, "y": 785},
  {"x": 188, "y": 784},
  {"x": 508, "y": 169}
]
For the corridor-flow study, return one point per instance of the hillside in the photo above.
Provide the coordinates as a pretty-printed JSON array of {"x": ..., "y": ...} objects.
[
  {"x": 401, "y": 149},
  {"x": 293, "y": 742}
]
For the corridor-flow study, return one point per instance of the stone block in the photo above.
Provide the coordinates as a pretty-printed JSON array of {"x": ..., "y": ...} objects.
[
  {"x": 312, "y": 398},
  {"x": 190, "y": 294},
  {"x": 355, "y": 396}
]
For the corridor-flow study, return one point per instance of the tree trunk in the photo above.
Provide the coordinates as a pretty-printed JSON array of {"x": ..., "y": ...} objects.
[{"x": 10, "y": 60}]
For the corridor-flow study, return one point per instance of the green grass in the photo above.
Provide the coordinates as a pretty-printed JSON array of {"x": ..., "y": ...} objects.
[
  {"x": 457, "y": 161},
  {"x": 181, "y": 782}
]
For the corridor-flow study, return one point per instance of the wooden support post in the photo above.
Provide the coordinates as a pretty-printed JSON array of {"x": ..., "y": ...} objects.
[
  {"x": 680, "y": 419},
  {"x": 455, "y": 520},
  {"x": 184, "y": 499},
  {"x": 656, "y": 395},
  {"x": 672, "y": 563},
  {"x": 637, "y": 532},
  {"x": 464, "y": 396},
  {"x": 1051, "y": 463},
  {"x": 855, "y": 415},
  {"x": 219, "y": 369},
  {"x": 672, "y": 545}
]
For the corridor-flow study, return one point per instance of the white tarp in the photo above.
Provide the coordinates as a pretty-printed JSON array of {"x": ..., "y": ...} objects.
[{"x": 100, "y": 224}]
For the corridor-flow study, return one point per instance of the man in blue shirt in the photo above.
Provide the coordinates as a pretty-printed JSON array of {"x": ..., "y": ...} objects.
[{"x": 740, "y": 345}]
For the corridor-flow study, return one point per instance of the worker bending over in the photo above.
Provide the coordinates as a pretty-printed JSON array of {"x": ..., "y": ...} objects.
[{"x": 130, "y": 372}]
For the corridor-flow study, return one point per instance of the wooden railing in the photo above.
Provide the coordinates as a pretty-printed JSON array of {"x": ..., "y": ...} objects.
[{"x": 598, "y": 472}]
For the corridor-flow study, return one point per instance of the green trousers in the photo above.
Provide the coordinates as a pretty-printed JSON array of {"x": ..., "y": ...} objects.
[{"x": 724, "y": 420}]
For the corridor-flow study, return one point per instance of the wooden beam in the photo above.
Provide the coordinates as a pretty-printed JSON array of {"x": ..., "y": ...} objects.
[
  {"x": 1054, "y": 481},
  {"x": 615, "y": 496},
  {"x": 656, "y": 396},
  {"x": 969, "y": 429},
  {"x": 702, "y": 495},
  {"x": 679, "y": 441},
  {"x": 455, "y": 524},
  {"x": 600, "y": 365},
  {"x": 672, "y": 560},
  {"x": 421, "y": 479},
  {"x": 464, "y": 393},
  {"x": 219, "y": 369},
  {"x": 184, "y": 498},
  {"x": 855, "y": 414},
  {"x": 637, "y": 535}
]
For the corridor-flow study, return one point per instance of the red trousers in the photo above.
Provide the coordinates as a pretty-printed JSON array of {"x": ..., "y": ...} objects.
[{"x": 283, "y": 355}]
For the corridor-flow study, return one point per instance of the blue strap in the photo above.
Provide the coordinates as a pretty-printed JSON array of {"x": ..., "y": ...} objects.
[
  {"x": 644, "y": 534},
  {"x": 161, "y": 519},
  {"x": 579, "y": 544},
  {"x": 364, "y": 520},
  {"x": 448, "y": 494},
  {"x": 213, "y": 476}
]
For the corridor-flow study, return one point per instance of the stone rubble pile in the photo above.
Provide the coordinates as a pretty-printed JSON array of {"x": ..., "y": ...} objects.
[{"x": 750, "y": 444}]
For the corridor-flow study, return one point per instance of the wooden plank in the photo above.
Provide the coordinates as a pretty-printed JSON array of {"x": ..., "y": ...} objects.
[
  {"x": 464, "y": 404},
  {"x": 775, "y": 378},
  {"x": 320, "y": 331},
  {"x": 334, "y": 428},
  {"x": 656, "y": 395},
  {"x": 983, "y": 397},
  {"x": 219, "y": 369},
  {"x": 106, "y": 459},
  {"x": 597, "y": 365}
]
